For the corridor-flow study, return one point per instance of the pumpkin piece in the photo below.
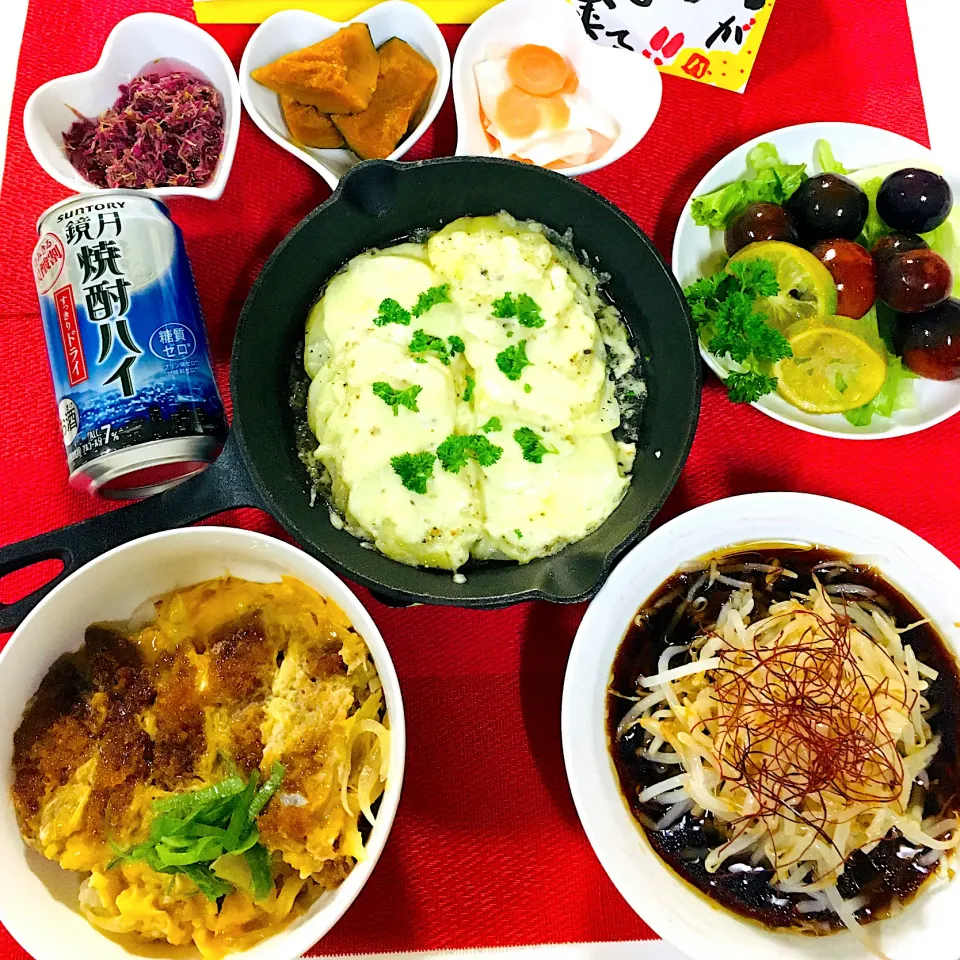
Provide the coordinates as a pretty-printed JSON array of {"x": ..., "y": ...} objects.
[
  {"x": 405, "y": 83},
  {"x": 308, "y": 125},
  {"x": 336, "y": 75}
]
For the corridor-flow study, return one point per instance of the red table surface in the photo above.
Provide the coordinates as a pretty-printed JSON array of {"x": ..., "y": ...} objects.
[{"x": 487, "y": 849}]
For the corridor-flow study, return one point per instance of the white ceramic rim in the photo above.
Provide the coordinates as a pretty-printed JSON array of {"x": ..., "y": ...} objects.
[
  {"x": 210, "y": 191},
  {"x": 676, "y": 911},
  {"x": 437, "y": 97},
  {"x": 288, "y": 942},
  {"x": 685, "y": 225}
]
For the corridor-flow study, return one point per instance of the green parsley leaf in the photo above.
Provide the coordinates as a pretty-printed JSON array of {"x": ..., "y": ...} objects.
[
  {"x": 748, "y": 387},
  {"x": 454, "y": 452},
  {"x": 722, "y": 307},
  {"x": 492, "y": 425},
  {"x": 391, "y": 312},
  {"x": 532, "y": 445},
  {"x": 423, "y": 342},
  {"x": 518, "y": 534},
  {"x": 512, "y": 360},
  {"x": 527, "y": 388},
  {"x": 430, "y": 298},
  {"x": 414, "y": 469},
  {"x": 456, "y": 345},
  {"x": 468, "y": 391},
  {"x": 523, "y": 307},
  {"x": 397, "y": 398}
]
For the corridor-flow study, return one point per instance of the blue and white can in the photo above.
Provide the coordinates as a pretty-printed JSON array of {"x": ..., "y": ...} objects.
[{"x": 138, "y": 403}]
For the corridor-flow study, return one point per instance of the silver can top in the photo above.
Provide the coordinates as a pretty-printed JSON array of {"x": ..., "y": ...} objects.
[{"x": 95, "y": 197}]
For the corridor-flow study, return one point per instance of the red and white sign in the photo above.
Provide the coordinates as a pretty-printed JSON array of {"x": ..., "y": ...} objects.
[
  {"x": 48, "y": 260},
  {"x": 70, "y": 335}
]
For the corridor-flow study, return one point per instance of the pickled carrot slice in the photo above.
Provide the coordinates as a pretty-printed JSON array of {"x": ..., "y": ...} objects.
[
  {"x": 557, "y": 112},
  {"x": 537, "y": 70},
  {"x": 518, "y": 113}
]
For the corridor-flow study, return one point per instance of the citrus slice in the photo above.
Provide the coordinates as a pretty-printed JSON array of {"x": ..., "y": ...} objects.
[
  {"x": 831, "y": 371},
  {"x": 806, "y": 287}
]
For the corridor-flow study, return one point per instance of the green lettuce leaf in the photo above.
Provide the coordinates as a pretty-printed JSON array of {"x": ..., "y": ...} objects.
[
  {"x": 823, "y": 157},
  {"x": 895, "y": 394},
  {"x": 768, "y": 178}
]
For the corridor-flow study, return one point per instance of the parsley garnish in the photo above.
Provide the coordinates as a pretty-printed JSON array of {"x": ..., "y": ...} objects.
[
  {"x": 468, "y": 392},
  {"x": 424, "y": 342},
  {"x": 523, "y": 307},
  {"x": 414, "y": 469},
  {"x": 519, "y": 535},
  {"x": 491, "y": 425},
  {"x": 398, "y": 398},
  {"x": 532, "y": 445},
  {"x": 512, "y": 360},
  {"x": 391, "y": 312},
  {"x": 456, "y": 345},
  {"x": 722, "y": 309},
  {"x": 189, "y": 831},
  {"x": 430, "y": 298},
  {"x": 454, "y": 452}
]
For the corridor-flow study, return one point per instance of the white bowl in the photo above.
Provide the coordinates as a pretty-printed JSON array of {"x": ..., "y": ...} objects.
[
  {"x": 626, "y": 84},
  {"x": 926, "y": 930},
  {"x": 292, "y": 30},
  {"x": 133, "y": 45},
  {"x": 38, "y": 900},
  {"x": 697, "y": 251}
]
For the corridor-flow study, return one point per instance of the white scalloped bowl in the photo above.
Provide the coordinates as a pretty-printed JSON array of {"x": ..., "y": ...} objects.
[
  {"x": 134, "y": 44},
  {"x": 626, "y": 84},
  {"x": 39, "y": 902},
  {"x": 294, "y": 29},
  {"x": 700, "y": 928}
]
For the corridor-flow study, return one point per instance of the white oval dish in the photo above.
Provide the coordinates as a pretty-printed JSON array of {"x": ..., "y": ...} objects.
[
  {"x": 294, "y": 29},
  {"x": 697, "y": 250},
  {"x": 626, "y": 84},
  {"x": 38, "y": 900},
  {"x": 926, "y": 930},
  {"x": 133, "y": 45}
]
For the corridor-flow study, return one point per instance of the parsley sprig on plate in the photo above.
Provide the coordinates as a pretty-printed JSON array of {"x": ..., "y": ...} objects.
[
  {"x": 722, "y": 307},
  {"x": 414, "y": 469},
  {"x": 532, "y": 445},
  {"x": 190, "y": 831},
  {"x": 454, "y": 452},
  {"x": 390, "y": 311},
  {"x": 398, "y": 398},
  {"x": 521, "y": 307},
  {"x": 513, "y": 360},
  {"x": 423, "y": 342}
]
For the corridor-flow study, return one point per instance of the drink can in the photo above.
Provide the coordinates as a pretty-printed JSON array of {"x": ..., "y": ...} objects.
[{"x": 138, "y": 403}]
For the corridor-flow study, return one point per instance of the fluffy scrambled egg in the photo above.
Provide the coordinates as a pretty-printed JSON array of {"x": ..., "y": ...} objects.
[
  {"x": 515, "y": 508},
  {"x": 226, "y": 674}
]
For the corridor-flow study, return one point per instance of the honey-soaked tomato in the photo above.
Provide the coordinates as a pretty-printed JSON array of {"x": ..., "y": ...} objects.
[
  {"x": 759, "y": 221},
  {"x": 929, "y": 342},
  {"x": 854, "y": 273},
  {"x": 914, "y": 281}
]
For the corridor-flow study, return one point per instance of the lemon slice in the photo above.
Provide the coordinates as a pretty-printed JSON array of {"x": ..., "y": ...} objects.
[
  {"x": 806, "y": 288},
  {"x": 831, "y": 371}
]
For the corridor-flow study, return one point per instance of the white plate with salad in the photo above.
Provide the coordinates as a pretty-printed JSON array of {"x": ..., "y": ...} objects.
[{"x": 822, "y": 267}]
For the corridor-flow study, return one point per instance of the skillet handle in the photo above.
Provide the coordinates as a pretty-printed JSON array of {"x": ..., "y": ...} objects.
[{"x": 223, "y": 485}]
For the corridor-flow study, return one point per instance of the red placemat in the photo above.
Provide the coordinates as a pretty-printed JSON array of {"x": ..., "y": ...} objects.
[{"x": 487, "y": 849}]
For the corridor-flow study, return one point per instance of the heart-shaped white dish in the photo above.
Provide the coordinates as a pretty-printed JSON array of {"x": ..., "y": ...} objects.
[
  {"x": 624, "y": 83},
  {"x": 133, "y": 44},
  {"x": 292, "y": 30}
]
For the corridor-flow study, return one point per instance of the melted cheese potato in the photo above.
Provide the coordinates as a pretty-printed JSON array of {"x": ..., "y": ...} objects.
[{"x": 374, "y": 402}]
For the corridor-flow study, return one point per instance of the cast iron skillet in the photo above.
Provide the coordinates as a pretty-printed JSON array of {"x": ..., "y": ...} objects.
[{"x": 376, "y": 204}]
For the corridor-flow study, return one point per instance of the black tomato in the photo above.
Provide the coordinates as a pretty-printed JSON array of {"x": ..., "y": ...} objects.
[
  {"x": 914, "y": 201},
  {"x": 759, "y": 221},
  {"x": 854, "y": 273},
  {"x": 913, "y": 281},
  {"x": 897, "y": 243},
  {"x": 929, "y": 342},
  {"x": 827, "y": 206}
]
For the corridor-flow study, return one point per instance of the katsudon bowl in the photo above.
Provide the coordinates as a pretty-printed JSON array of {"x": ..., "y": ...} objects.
[
  {"x": 379, "y": 203},
  {"x": 38, "y": 900}
]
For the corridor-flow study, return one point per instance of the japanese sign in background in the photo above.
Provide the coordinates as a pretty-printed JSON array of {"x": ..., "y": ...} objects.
[{"x": 712, "y": 41}]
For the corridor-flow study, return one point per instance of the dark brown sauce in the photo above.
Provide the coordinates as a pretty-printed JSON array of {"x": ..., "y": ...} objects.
[{"x": 892, "y": 873}]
